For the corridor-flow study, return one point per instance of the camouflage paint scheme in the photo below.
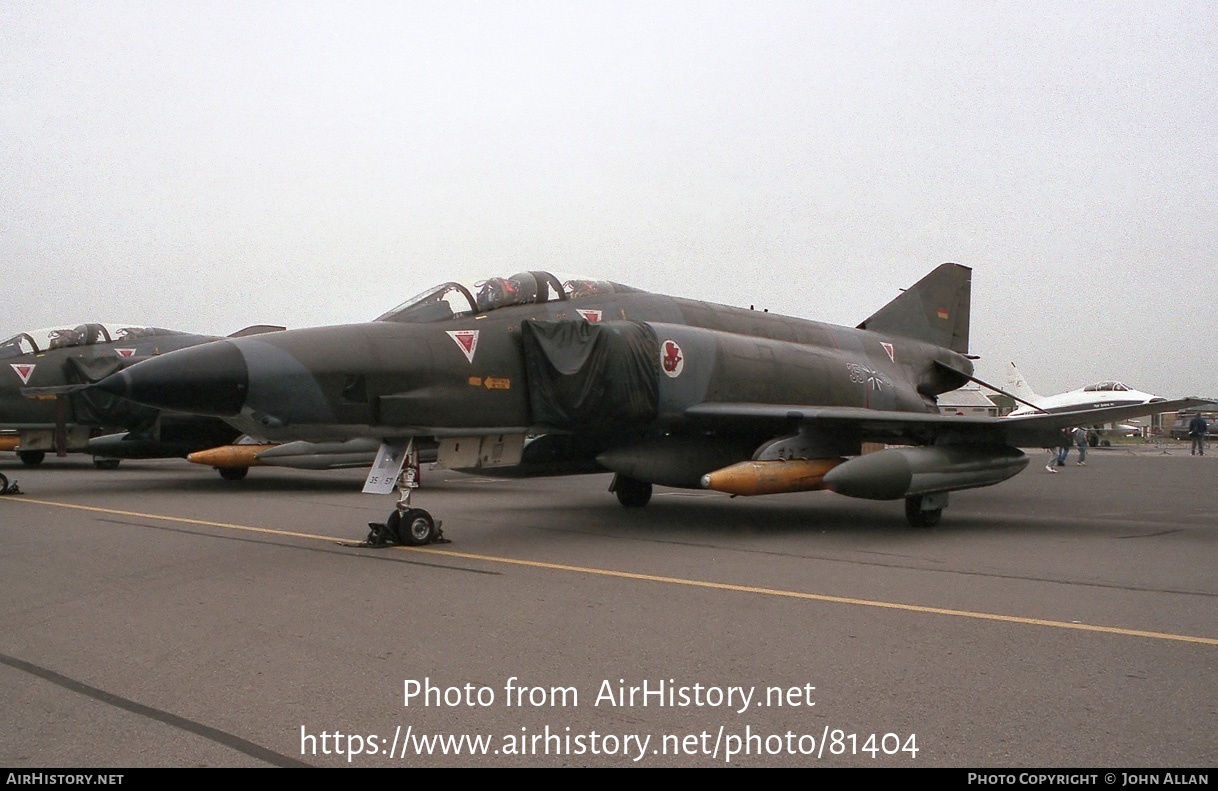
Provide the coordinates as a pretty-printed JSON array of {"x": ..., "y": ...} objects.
[
  {"x": 81, "y": 354},
  {"x": 734, "y": 387}
]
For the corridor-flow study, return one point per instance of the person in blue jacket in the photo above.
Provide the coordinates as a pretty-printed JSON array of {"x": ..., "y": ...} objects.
[{"x": 1197, "y": 428}]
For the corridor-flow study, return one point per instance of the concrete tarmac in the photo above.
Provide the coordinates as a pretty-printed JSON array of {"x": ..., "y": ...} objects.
[{"x": 156, "y": 615}]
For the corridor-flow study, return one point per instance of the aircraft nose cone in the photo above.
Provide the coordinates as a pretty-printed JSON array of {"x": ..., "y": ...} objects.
[{"x": 211, "y": 379}]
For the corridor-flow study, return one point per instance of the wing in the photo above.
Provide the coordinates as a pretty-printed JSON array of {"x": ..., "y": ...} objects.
[{"x": 922, "y": 428}]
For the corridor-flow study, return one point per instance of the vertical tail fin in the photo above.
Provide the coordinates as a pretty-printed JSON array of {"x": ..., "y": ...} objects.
[
  {"x": 935, "y": 309},
  {"x": 1019, "y": 386}
]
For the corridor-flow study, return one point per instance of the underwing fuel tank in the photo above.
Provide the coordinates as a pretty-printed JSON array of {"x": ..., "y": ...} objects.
[
  {"x": 904, "y": 472},
  {"x": 229, "y": 456},
  {"x": 770, "y": 477},
  {"x": 359, "y": 452}
]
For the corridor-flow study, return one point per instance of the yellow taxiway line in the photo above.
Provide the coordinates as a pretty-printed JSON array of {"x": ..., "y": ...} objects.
[{"x": 788, "y": 594}]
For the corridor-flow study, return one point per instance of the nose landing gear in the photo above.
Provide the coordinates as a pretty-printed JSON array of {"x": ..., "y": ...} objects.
[{"x": 406, "y": 525}]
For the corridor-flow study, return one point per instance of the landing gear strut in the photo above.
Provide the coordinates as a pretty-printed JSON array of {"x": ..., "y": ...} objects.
[
  {"x": 406, "y": 525},
  {"x": 631, "y": 492}
]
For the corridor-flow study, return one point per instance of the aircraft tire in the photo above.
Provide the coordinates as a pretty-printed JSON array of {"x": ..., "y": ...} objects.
[
  {"x": 31, "y": 458},
  {"x": 415, "y": 528},
  {"x": 106, "y": 464},
  {"x": 3, "y": 484},
  {"x": 632, "y": 493},
  {"x": 233, "y": 473},
  {"x": 919, "y": 518}
]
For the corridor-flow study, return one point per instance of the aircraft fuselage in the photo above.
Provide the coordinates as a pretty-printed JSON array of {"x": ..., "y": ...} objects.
[
  {"x": 467, "y": 375},
  {"x": 76, "y": 356}
]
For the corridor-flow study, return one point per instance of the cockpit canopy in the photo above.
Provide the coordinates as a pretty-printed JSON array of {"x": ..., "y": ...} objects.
[
  {"x": 452, "y": 299},
  {"x": 1107, "y": 387},
  {"x": 36, "y": 341}
]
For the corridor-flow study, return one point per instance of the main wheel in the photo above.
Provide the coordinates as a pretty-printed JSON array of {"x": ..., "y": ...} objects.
[
  {"x": 3, "y": 484},
  {"x": 233, "y": 473},
  {"x": 631, "y": 492},
  {"x": 31, "y": 458},
  {"x": 414, "y": 528},
  {"x": 919, "y": 518},
  {"x": 106, "y": 464}
]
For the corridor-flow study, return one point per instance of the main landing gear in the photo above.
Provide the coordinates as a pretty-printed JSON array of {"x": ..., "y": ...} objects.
[
  {"x": 631, "y": 492},
  {"x": 925, "y": 510},
  {"x": 413, "y": 527}
]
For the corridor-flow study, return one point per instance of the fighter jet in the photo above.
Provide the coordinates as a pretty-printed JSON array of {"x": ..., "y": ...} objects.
[
  {"x": 1093, "y": 396},
  {"x": 535, "y": 374},
  {"x": 92, "y": 421},
  {"x": 1097, "y": 395}
]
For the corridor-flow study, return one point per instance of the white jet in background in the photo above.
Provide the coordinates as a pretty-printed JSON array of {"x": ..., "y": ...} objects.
[{"x": 1093, "y": 396}]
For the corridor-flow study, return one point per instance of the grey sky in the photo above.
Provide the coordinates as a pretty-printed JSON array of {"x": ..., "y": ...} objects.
[{"x": 205, "y": 166}]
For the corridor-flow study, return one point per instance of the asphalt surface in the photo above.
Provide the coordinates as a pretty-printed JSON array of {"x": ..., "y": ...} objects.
[{"x": 156, "y": 615}]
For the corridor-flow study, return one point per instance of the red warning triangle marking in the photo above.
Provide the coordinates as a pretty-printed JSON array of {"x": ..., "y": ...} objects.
[
  {"x": 466, "y": 340},
  {"x": 24, "y": 371}
]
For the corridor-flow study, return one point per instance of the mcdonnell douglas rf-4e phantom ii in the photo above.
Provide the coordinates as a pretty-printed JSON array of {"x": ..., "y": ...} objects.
[
  {"x": 92, "y": 421},
  {"x": 536, "y": 375}
]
